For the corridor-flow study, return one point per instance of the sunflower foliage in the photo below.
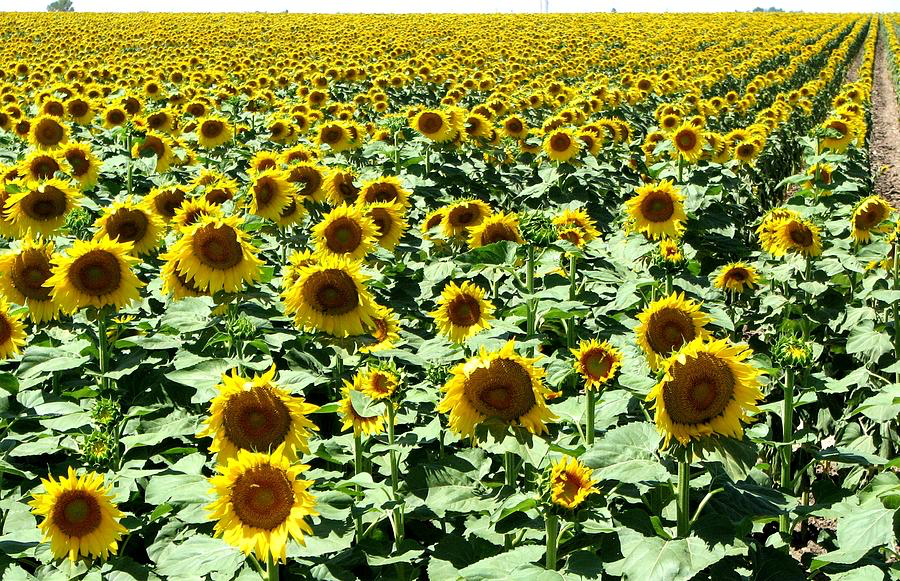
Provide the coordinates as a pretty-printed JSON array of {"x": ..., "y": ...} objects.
[{"x": 448, "y": 297}]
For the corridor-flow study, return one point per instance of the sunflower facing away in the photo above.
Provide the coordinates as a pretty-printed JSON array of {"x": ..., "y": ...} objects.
[
  {"x": 260, "y": 503},
  {"x": 657, "y": 210},
  {"x": 95, "y": 273},
  {"x": 868, "y": 214},
  {"x": 667, "y": 324},
  {"x": 331, "y": 296},
  {"x": 42, "y": 207},
  {"x": 736, "y": 277},
  {"x": 345, "y": 231},
  {"x": 462, "y": 311},
  {"x": 499, "y": 385},
  {"x": 215, "y": 254},
  {"x": 570, "y": 483},
  {"x": 255, "y": 414},
  {"x": 133, "y": 223},
  {"x": 495, "y": 228},
  {"x": 708, "y": 388},
  {"x": 597, "y": 362},
  {"x": 23, "y": 275},
  {"x": 80, "y": 517},
  {"x": 351, "y": 418}
]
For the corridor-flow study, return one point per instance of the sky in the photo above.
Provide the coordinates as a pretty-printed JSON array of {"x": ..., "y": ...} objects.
[{"x": 401, "y": 6}]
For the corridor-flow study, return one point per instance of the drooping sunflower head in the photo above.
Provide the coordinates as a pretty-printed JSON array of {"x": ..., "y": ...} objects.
[
  {"x": 384, "y": 331},
  {"x": 213, "y": 131},
  {"x": 657, "y": 210},
  {"x": 667, "y": 324},
  {"x": 708, "y": 388},
  {"x": 561, "y": 144},
  {"x": 165, "y": 201},
  {"x": 132, "y": 223},
  {"x": 42, "y": 207},
  {"x": 596, "y": 362},
  {"x": 192, "y": 210},
  {"x": 330, "y": 296},
  {"x": 495, "y": 228},
  {"x": 869, "y": 213},
  {"x": 463, "y": 215},
  {"x": 339, "y": 186},
  {"x": 578, "y": 218},
  {"x": 389, "y": 222},
  {"x": 384, "y": 189},
  {"x": 25, "y": 273},
  {"x": 688, "y": 142},
  {"x": 570, "y": 483},
  {"x": 462, "y": 311},
  {"x": 83, "y": 166},
  {"x": 260, "y": 503},
  {"x": 737, "y": 277},
  {"x": 255, "y": 414},
  {"x": 345, "y": 231},
  {"x": 215, "y": 254},
  {"x": 80, "y": 517},
  {"x": 270, "y": 192},
  {"x": 370, "y": 425},
  {"x": 501, "y": 386},
  {"x": 48, "y": 132}
]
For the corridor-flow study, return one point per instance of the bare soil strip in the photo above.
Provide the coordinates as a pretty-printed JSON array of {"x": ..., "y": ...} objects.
[{"x": 884, "y": 144}]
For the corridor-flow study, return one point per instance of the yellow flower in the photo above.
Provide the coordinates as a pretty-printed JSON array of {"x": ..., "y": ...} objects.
[
  {"x": 462, "y": 311},
  {"x": 495, "y": 228},
  {"x": 561, "y": 145},
  {"x": 23, "y": 278},
  {"x": 736, "y": 277},
  {"x": 83, "y": 166},
  {"x": 384, "y": 189},
  {"x": 502, "y": 386},
  {"x": 688, "y": 141},
  {"x": 270, "y": 192},
  {"x": 708, "y": 388},
  {"x": 131, "y": 223},
  {"x": 95, "y": 273},
  {"x": 462, "y": 215},
  {"x": 255, "y": 414},
  {"x": 260, "y": 503},
  {"x": 580, "y": 219},
  {"x": 766, "y": 231},
  {"x": 165, "y": 201},
  {"x": 868, "y": 214},
  {"x": 433, "y": 124},
  {"x": 308, "y": 180},
  {"x": 351, "y": 418},
  {"x": 657, "y": 210},
  {"x": 334, "y": 134},
  {"x": 597, "y": 362},
  {"x": 192, "y": 210},
  {"x": 213, "y": 131},
  {"x": 158, "y": 144},
  {"x": 670, "y": 251},
  {"x": 795, "y": 235},
  {"x": 47, "y": 132},
  {"x": 345, "y": 232},
  {"x": 80, "y": 517},
  {"x": 42, "y": 207},
  {"x": 385, "y": 330},
  {"x": 570, "y": 483},
  {"x": 378, "y": 384},
  {"x": 667, "y": 324}
]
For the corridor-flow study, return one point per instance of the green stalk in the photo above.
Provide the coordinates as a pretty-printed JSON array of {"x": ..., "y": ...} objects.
[
  {"x": 668, "y": 282},
  {"x": 271, "y": 568},
  {"x": 395, "y": 474},
  {"x": 683, "y": 501},
  {"x": 551, "y": 528},
  {"x": 103, "y": 347},
  {"x": 509, "y": 473},
  {"x": 529, "y": 285},
  {"x": 589, "y": 416},
  {"x": 570, "y": 326},
  {"x": 896, "y": 309},
  {"x": 427, "y": 160},
  {"x": 787, "y": 437},
  {"x": 128, "y": 154},
  {"x": 357, "y": 470},
  {"x": 680, "y": 169}
]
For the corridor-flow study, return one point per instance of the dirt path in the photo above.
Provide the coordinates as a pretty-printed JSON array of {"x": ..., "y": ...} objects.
[{"x": 884, "y": 145}]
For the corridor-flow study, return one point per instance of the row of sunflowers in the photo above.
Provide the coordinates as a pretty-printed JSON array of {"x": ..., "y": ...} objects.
[{"x": 435, "y": 298}]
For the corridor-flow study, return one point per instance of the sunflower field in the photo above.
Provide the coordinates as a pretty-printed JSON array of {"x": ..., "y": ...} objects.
[{"x": 549, "y": 297}]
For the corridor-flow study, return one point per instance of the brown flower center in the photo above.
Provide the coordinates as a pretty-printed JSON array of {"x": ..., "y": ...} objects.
[
  {"x": 430, "y": 123},
  {"x": 30, "y": 270},
  {"x": 76, "y": 513},
  {"x": 127, "y": 225},
  {"x": 96, "y": 273},
  {"x": 657, "y": 206},
  {"x": 700, "y": 389},
  {"x": 46, "y": 204},
  {"x": 668, "y": 329},
  {"x": 464, "y": 311},
  {"x": 262, "y": 497},
  {"x": 502, "y": 390},
  {"x": 256, "y": 420},
  {"x": 218, "y": 247},
  {"x": 560, "y": 142},
  {"x": 332, "y": 292}
]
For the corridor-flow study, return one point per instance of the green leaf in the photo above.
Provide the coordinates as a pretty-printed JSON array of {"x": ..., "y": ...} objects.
[
  {"x": 867, "y": 342},
  {"x": 627, "y": 454},
  {"x": 869, "y": 526},
  {"x": 655, "y": 558},
  {"x": 197, "y": 557}
]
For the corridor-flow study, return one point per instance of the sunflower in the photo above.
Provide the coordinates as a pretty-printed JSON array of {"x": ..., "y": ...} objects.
[
  {"x": 339, "y": 187},
  {"x": 192, "y": 210},
  {"x": 308, "y": 179},
  {"x": 37, "y": 166},
  {"x": 462, "y": 215},
  {"x": 795, "y": 235},
  {"x": 657, "y": 210},
  {"x": 746, "y": 151},
  {"x": 351, "y": 418},
  {"x": 155, "y": 144},
  {"x": 12, "y": 332},
  {"x": 516, "y": 127},
  {"x": 292, "y": 213},
  {"x": 688, "y": 142},
  {"x": 213, "y": 131},
  {"x": 270, "y": 193},
  {"x": 384, "y": 331},
  {"x": 94, "y": 273},
  {"x": 24, "y": 274},
  {"x": 255, "y": 414},
  {"x": 597, "y": 362},
  {"x": 47, "y": 132},
  {"x": 377, "y": 383},
  {"x": 42, "y": 207},
  {"x": 260, "y": 503},
  {"x": 841, "y": 134},
  {"x": 462, "y": 311},
  {"x": 291, "y": 270},
  {"x": 176, "y": 284},
  {"x": 573, "y": 235},
  {"x": 499, "y": 385},
  {"x": 165, "y": 201},
  {"x": 345, "y": 231},
  {"x": 766, "y": 231},
  {"x": 384, "y": 189},
  {"x": 432, "y": 220},
  {"x": 114, "y": 116},
  {"x": 561, "y": 145},
  {"x": 578, "y": 218},
  {"x": 736, "y": 277},
  {"x": 215, "y": 254},
  {"x": 331, "y": 296},
  {"x": 389, "y": 223},
  {"x": 263, "y": 160},
  {"x": 432, "y": 124},
  {"x": 494, "y": 228},
  {"x": 80, "y": 517},
  {"x": 221, "y": 191},
  {"x": 133, "y": 223},
  {"x": 570, "y": 483},
  {"x": 335, "y": 135},
  {"x": 83, "y": 166},
  {"x": 670, "y": 251},
  {"x": 708, "y": 388},
  {"x": 667, "y": 324},
  {"x": 868, "y": 214}
]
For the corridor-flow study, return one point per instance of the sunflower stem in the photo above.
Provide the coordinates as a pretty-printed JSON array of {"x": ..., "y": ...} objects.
[
  {"x": 668, "y": 282},
  {"x": 787, "y": 437},
  {"x": 551, "y": 529},
  {"x": 103, "y": 347},
  {"x": 271, "y": 568},
  {"x": 357, "y": 470},
  {"x": 509, "y": 473},
  {"x": 589, "y": 416},
  {"x": 427, "y": 160},
  {"x": 680, "y": 169},
  {"x": 395, "y": 474},
  {"x": 683, "y": 501},
  {"x": 570, "y": 327},
  {"x": 529, "y": 285},
  {"x": 128, "y": 166},
  {"x": 253, "y": 561},
  {"x": 896, "y": 309}
]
